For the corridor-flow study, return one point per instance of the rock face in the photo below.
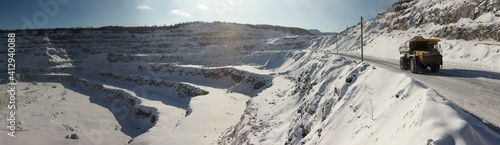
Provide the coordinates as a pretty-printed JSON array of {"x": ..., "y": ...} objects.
[
  {"x": 480, "y": 32},
  {"x": 406, "y": 14}
]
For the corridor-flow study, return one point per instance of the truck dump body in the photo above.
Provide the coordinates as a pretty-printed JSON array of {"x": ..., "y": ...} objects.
[
  {"x": 419, "y": 44},
  {"x": 429, "y": 56}
]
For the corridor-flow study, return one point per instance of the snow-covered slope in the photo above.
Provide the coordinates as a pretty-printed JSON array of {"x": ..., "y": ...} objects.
[
  {"x": 469, "y": 30},
  {"x": 219, "y": 83},
  {"x": 331, "y": 100}
]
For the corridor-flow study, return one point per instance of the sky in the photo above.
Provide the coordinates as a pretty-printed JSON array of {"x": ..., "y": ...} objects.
[{"x": 324, "y": 15}]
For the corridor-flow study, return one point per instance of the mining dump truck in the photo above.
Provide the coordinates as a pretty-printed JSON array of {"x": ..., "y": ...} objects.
[{"x": 419, "y": 54}]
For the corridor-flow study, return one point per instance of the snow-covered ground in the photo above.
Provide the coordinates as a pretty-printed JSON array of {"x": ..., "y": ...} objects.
[
  {"x": 220, "y": 83},
  {"x": 47, "y": 112}
]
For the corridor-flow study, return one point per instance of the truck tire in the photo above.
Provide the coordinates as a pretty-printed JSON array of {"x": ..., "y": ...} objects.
[
  {"x": 403, "y": 63},
  {"x": 413, "y": 67},
  {"x": 435, "y": 68}
]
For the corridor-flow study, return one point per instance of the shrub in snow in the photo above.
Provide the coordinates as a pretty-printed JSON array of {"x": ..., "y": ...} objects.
[
  {"x": 112, "y": 57},
  {"x": 258, "y": 85},
  {"x": 350, "y": 78},
  {"x": 73, "y": 136}
]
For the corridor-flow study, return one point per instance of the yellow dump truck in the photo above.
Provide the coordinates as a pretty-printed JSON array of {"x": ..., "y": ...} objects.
[{"x": 419, "y": 54}]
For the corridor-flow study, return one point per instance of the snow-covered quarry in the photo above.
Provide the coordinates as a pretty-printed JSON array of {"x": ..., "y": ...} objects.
[{"x": 224, "y": 83}]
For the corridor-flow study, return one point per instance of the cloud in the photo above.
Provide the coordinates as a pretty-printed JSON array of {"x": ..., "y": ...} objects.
[
  {"x": 202, "y": 7},
  {"x": 180, "y": 13},
  {"x": 144, "y": 7}
]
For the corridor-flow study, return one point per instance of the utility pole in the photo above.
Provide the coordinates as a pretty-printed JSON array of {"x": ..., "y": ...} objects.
[{"x": 361, "y": 39}]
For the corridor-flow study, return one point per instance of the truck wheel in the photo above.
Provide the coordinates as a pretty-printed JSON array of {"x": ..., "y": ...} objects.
[
  {"x": 403, "y": 63},
  {"x": 435, "y": 68},
  {"x": 413, "y": 68}
]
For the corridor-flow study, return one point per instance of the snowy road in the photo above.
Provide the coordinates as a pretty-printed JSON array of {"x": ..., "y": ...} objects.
[{"x": 477, "y": 92}]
